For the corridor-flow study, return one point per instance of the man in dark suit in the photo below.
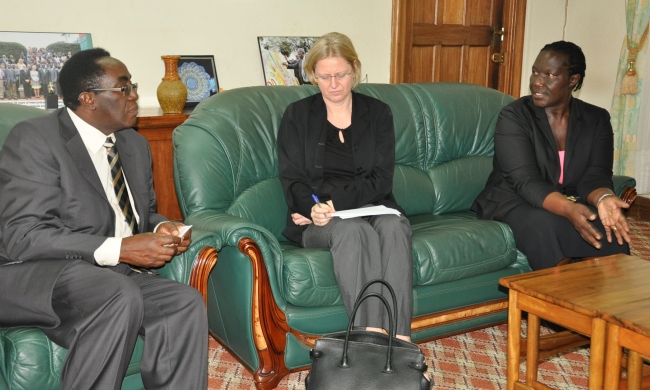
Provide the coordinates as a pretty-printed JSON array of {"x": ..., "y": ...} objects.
[
  {"x": 78, "y": 256},
  {"x": 297, "y": 66},
  {"x": 10, "y": 82},
  {"x": 54, "y": 77},
  {"x": 44, "y": 75}
]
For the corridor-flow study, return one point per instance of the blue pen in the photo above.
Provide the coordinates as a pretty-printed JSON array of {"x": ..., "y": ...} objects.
[{"x": 315, "y": 198}]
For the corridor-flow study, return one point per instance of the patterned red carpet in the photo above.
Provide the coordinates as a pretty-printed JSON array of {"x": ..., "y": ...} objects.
[{"x": 474, "y": 360}]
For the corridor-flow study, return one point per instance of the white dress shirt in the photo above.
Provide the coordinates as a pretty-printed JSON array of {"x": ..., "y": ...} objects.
[{"x": 108, "y": 254}]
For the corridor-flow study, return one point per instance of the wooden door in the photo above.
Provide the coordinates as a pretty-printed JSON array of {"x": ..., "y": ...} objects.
[{"x": 455, "y": 41}]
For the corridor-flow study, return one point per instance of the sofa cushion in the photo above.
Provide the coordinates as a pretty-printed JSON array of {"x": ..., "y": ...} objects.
[
  {"x": 457, "y": 246},
  {"x": 308, "y": 277},
  {"x": 31, "y": 361},
  {"x": 10, "y": 114},
  {"x": 445, "y": 248}
]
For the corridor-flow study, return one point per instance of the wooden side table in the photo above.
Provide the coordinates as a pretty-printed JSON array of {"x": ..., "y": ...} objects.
[
  {"x": 638, "y": 344},
  {"x": 585, "y": 322},
  {"x": 577, "y": 296},
  {"x": 629, "y": 328},
  {"x": 157, "y": 129}
]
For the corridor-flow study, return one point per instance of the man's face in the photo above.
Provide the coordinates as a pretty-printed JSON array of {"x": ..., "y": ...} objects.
[{"x": 114, "y": 111}]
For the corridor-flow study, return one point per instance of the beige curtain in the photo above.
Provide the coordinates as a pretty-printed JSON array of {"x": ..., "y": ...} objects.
[{"x": 626, "y": 108}]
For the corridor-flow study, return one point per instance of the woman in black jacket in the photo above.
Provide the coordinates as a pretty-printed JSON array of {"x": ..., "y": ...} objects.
[
  {"x": 552, "y": 176},
  {"x": 336, "y": 151}
]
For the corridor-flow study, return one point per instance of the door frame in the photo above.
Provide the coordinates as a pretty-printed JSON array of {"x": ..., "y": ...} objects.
[{"x": 514, "y": 24}]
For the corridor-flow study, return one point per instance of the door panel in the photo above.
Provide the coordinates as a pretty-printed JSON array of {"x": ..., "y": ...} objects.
[{"x": 453, "y": 41}]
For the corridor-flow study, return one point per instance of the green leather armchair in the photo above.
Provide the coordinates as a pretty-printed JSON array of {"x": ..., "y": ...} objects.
[
  {"x": 28, "y": 359},
  {"x": 270, "y": 299}
]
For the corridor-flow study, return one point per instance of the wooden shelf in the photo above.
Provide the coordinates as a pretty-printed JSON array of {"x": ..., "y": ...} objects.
[{"x": 157, "y": 128}]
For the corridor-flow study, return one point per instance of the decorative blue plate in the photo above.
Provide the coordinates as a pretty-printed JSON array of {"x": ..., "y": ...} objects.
[{"x": 196, "y": 79}]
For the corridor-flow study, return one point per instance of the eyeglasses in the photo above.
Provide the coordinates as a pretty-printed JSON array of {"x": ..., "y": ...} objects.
[
  {"x": 328, "y": 77},
  {"x": 125, "y": 89}
]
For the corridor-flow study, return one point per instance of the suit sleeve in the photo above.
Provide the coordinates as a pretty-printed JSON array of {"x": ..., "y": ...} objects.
[
  {"x": 515, "y": 153},
  {"x": 291, "y": 160},
  {"x": 30, "y": 215},
  {"x": 377, "y": 182}
]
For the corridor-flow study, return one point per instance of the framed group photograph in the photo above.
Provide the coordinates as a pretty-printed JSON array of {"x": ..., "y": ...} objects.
[
  {"x": 199, "y": 75},
  {"x": 283, "y": 58},
  {"x": 30, "y": 63}
]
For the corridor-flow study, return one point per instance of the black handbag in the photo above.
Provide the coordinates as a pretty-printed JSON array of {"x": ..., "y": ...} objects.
[{"x": 360, "y": 359}]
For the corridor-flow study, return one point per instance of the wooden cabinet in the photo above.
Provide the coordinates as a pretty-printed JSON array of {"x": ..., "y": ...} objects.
[{"x": 157, "y": 129}]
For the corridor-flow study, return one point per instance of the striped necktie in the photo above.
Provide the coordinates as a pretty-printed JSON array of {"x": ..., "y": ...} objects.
[
  {"x": 119, "y": 185},
  {"x": 122, "y": 194}
]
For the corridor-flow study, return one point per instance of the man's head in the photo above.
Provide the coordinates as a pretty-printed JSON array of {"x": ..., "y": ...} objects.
[
  {"x": 82, "y": 73},
  {"x": 84, "y": 81}
]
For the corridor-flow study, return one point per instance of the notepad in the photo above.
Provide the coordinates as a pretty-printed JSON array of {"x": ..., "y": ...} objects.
[{"x": 365, "y": 211}]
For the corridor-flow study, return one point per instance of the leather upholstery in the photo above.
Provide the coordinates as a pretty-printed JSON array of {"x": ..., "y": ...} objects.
[
  {"x": 226, "y": 175},
  {"x": 28, "y": 359}
]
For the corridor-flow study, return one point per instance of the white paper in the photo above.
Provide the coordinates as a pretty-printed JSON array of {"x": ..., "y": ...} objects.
[
  {"x": 365, "y": 211},
  {"x": 181, "y": 232}
]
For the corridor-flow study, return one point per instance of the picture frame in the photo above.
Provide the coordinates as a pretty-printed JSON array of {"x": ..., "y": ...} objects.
[
  {"x": 46, "y": 50},
  {"x": 199, "y": 74},
  {"x": 282, "y": 58}
]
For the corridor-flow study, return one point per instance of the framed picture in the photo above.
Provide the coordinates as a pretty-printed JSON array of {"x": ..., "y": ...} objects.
[
  {"x": 21, "y": 52},
  {"x": 282, "y": 59},
  {"x": 199, "y": 76}
]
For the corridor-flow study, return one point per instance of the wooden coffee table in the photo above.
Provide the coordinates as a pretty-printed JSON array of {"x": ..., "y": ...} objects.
[
  {"x": 577, "y": 296},
  {"x": 630, "y": 329}
]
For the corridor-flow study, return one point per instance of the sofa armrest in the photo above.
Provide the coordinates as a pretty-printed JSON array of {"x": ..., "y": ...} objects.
[
  {"x": 194, "y": 265},
  {"x": 624, "y": 188},
  {"x": 230, "y": 230}
]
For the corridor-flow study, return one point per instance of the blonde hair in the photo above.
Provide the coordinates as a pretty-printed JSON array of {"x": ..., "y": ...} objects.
[{"x": 332, "y": 45}]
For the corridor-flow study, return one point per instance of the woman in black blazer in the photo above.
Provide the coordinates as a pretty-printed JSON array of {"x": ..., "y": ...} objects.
[
  {"x": 552, "y": 176},
  {"x": 336, "y": 151}
]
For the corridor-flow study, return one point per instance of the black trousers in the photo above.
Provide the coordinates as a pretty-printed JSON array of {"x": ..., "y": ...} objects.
[
  {"x": 364, "y": 249},
  {"x": 546, "y": 238},
  {"x": 102, "y": 312}
]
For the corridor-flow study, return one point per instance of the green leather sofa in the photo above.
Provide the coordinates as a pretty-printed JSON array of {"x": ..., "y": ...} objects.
[
  {"x": 28, "y": 359},
  {"x": 268, "y": 299}
]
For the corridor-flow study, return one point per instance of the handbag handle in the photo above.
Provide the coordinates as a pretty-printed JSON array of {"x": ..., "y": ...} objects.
[
  {"x": 388, "y": 368},
  {"x": 392, "y": 295}
]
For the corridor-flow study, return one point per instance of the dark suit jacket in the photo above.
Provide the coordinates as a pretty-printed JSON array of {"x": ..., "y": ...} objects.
[
  {"x": 44, "y": 75},
  {"x": 526, "y": 162},
  {"x": 301, "y": 153},
  {"x": 53, "y": 210}
]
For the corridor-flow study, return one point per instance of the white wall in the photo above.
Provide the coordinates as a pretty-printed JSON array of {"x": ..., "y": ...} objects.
[
  {"x": 138, "y": 32},
  {"x": 597, "y": 26}
]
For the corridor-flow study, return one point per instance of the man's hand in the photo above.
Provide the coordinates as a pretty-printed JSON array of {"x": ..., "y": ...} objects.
[
  {"x": 153, "y": 250},
  {"x": 171, "y": 228},
  {"x": 148, "y": 250}
]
